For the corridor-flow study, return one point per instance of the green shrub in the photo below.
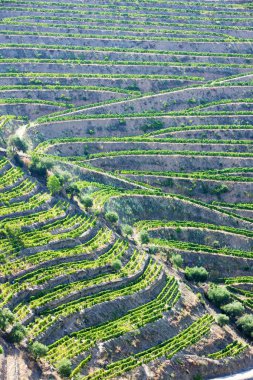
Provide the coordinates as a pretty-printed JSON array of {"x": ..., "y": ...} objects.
[
  {"x": 15, "y": 143},
  {"x": 126, "y": 230},
  {"x": 54, "y": 184},
  {"x": 72, "y": 190},
  {"x": 144, "y": 237},
  {"x": 246, "y": 324},
  {"x": 222, "y": 319},
  {"x": 64, "y": 367},
  {"x": 116, "y": 264},
  {"x": 234, "y": 309},
  {"x": 177, "y": 260},
  {"x": 220, "y": 189},
  {"x": 112, "y": 216},
  {"x": 6, "y": 318},
  {"x": 1, "y": 350},
  {"x": 87, "y": 201},
  {"x": 18, "y": 333},
  {"x": 198, "y": 377},
  {"x": 218, "y": 295},
  {"x": 39, "y": 167},
  {"x": 198, "y": 274},
  {"x": 152, "y": 125},
  {"x": 153, "y": 250},
  {"x": 38, "y": 349},
  {"x": 201, "y": 298}
]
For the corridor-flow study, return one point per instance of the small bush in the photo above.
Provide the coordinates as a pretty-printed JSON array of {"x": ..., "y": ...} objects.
[
  {"x": 198, "y": 377},
  {"x": 153, "y": 250},
  {"x": 1, "y": 350},
  {"x": 220, "y": 189},
  {"x": 198, "y": 274},
  {"x": 38, "y": 349},
  {"x": 39, "y": 167},
  {"x": 18, "y": 333},
  {"x": 116, "y": 264},
  {"x": 112, "y": 217},
  {"x": 6, "y": 318},
  {"x": 234, "y": 309},
  {"x": 177, "y": 260},
  {"x": 222, "y": 319},
  {"x": 144, "y": 237},
  {"x": 218, "y": 295},
  {"x": 87, "y": 201},
  {"x": 126, "y": 230},
  {"x": 64, "y": 367},
  {"x": 201, "y": 298},
  {"x": 54, "y": 184},
  {"x": 246, "y": 324},
  {"x": 72, "y": 190},
  {"x": 16, "y": 143}
]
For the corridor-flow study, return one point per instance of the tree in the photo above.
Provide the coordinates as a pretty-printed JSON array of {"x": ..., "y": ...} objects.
[
  {"x": 112, "y": 216},
  {"x": 15, "y": 144},
  {"x": 73, "y": 190},
  {"x": 64, "y": 367},
  {"x": 38, "y": 349},
  {"x": 116, "y": 264},
  {"x": 6, "y": 318},
  {"x": 39, "y": 167},
  {"x": 234, "y": 309},
  {"x": 222, "y": 319},
  {"x": 87, "y": 201},
  {"x": 177, "y": 260},
  {"x": 18, "y": 333},
  {"x": 54, "y": 184},
  {"x": 198, "y": 274},
  {"x": 126, "y": 230},
  {"x": 144, "y": 237},
  {"x": 218, "y": 295},
  {"x": 246, "y": 324}
]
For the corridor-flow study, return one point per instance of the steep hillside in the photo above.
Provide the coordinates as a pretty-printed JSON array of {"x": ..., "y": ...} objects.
[{"x": 126, "y": 188}]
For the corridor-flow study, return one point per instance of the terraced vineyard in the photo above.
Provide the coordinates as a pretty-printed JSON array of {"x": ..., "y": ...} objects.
[{"x": 126, "y": 187}]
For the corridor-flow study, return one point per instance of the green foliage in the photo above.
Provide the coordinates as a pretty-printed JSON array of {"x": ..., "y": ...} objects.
[
  {"x": 6, "y": 318},
  {"x": 16, "y": 143},
  {"x": 144, "y": 237},
  {"x": 246, "y": 324},
  {"x": 18, "y": 333},
  {"x": 197, "y": 377},
  {"x": 230, "y": 350},
  {"x": 177, "y": 260},
  {"x": 54, "y": 184},
  {"x": 38, "y": 349},
  {"x": 234, "y": 309},
  {"x": 152, "y": 125},
  {"x": 198, "y": 274},
  {"x": 39, "y": 166},
  {"x": 64, "y": 367},
  {"x": 218, "y": 295},
  {"x": 220, "y": 189},
  {"x": 13, "y": 233},
  {"x": 126, "y": 230},
  {"x": 1, "y": 350},
  {"x": 222, "y": 319},
  {"x": 72, "y": 190},
  {"x": 112, "y": 216},
  {"x": 117, "y": 265},
  {"x": 87, "y": 201}
]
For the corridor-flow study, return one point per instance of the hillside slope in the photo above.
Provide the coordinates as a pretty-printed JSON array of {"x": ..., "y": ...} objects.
[{"x": 126, "y": 189}]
